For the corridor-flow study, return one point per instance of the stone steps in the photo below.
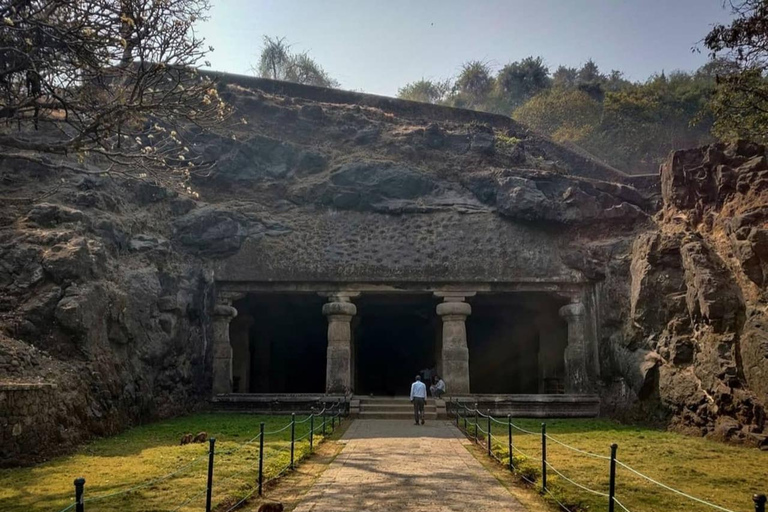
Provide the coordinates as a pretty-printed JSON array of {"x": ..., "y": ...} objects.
[
  {"x": 397, "y": 415},
  {"x": 393, "y": 408}
]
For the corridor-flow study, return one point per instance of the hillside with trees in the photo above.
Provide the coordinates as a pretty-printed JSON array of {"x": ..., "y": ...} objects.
[{"x": 630, "y": 125}]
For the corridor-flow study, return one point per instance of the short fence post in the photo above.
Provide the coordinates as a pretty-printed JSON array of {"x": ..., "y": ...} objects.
[
  {"x": 509, "y": 442},
  {"x": 544, "y": 456},
  {"x": 293, "y": 435},
  {"x": 612, "y": 481},
  {"x": 79, "y": 485},
  {"x": 466, "y": 432},
  {"x": 312, "y": 430},
  {"x": 476, "y": 421},
  {"x": 489, "y": 432},
  {"x": 323, "y": 421},
  {"x": 261, "y": 457},
  {"x": 209, "y": 488},
  {"x": 759, "y": 500}
]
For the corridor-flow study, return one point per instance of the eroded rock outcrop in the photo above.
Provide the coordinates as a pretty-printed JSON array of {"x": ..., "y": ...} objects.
[{"x": 698, "y": 298}]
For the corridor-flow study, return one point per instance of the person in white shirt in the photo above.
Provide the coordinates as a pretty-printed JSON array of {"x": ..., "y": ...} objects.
[
  {"x": 418, "y": 397},
  {"x": 438, "y": 388}
]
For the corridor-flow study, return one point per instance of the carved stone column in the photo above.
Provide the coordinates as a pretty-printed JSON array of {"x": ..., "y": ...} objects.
[
  {"x": 455, "y": 353},
  {"x": 223, "y": 313},
  {"x": 338, "y": 370},
  {"x": 576, "y": 375}
]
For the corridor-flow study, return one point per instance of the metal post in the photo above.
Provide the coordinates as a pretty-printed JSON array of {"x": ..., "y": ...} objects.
[
  {"x": 465, "y": 425},
  {"x": 79, "y": 485},
  {"x": 489, "y": 432},
  {"x": 261, "y": 457},
  {"x": 612, "y": 481},
  {"x": 293, "y": 435},
  {"x": 323, "y": 421},
  {"x": 209, "y": 488},
  {"x": 759, "y": 500},
  {"x": 476, "y": 421},
  {"x": 312, "y": 430},
  {"x": 509, "y": 442},
  {"x": 544, "y": 456}
]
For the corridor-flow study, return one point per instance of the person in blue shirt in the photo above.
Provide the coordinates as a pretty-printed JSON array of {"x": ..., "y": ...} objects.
[{"x": 418, "y": 397}]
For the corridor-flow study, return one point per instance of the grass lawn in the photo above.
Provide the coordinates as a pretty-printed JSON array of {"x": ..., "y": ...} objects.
[
  {"x": 721, "y": 474},
  {"x": 144, "y": 453}
]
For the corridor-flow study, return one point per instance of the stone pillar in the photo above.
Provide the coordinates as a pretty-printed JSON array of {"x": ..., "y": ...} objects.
[
  {"x": 338, "y": 370},
  {"x": 455, "y": 353},
  {"x": 223, "y": 313},
  {"x": 576, "y": 376}
]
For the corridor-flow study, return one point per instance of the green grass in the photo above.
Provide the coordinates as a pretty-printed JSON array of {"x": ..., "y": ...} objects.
[
  {"x": 144, "y": 453},
  {"x": 722, "y": 474}
]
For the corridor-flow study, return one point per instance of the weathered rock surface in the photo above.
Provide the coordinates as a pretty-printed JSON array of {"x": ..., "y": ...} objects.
[{"x": 698, "y": 298}]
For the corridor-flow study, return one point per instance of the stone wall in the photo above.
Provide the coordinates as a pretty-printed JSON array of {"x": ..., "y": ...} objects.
[{"x": 26, "y": 422}]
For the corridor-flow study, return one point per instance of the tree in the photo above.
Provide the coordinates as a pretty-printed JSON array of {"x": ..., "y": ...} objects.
[
  {"x": 564, "y": 114},
  {"x": 475, "y": 81},
  {"x": 114, "y": 78},
  {"x": 278, "y": 63},
  {"x": 565, "y": 77},
  {"x": 740, "y": 100},
  {"x": 521, "y": 80},
  {"x": 425, "y": 91}
]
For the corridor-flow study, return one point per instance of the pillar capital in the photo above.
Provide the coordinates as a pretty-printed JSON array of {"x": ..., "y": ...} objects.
[
  {"x": 454, "y": 295},
  {"x": 221, "y": 310},
  {"x": 572, "y": 311},
  {"x": 339, "y": 296},
  {"x": 339, "y": 309},
  {"x": 461, "y": 309}
]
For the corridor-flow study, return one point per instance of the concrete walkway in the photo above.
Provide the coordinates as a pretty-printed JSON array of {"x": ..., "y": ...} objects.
[{"x": 395, "y": 465}]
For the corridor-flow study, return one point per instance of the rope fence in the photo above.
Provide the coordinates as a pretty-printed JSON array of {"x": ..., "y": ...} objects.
[
  {"x": 321, "y": 422},
  {"x": 468, "y": 420}
]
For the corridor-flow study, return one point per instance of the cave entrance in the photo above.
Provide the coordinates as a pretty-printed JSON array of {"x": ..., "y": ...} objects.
[
  {"x": 279, "y": 344},
  {"x": 516, "y": 343},
  {"x": 395, "y": 337}
]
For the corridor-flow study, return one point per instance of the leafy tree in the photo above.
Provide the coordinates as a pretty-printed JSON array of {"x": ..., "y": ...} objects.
[
  {"x": 740, "y": 100},
  {"x": 426, "y": 91},
  {"x": 474, "y": 83},
  {"x": 521, "y": 80},
  {"x": 279, "y": 63},
  {"x": 565, "y": 77},
  {"x": 112, "y": 78}
]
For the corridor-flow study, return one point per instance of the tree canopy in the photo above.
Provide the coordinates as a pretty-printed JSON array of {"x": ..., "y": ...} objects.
[
  {"x": 113, "y": 78},
  {"x": 279, "y": 63}
]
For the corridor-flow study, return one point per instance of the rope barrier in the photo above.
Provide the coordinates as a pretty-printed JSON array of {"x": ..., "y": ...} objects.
[
  {"x": 595, "y": 455},
  {"x": 145, "y": 484},
  {"x": 340, "y": 412},
  {"x": 598, "y": 493},
  {"x": 557, "y": 501},
  {"x": 278, "y": 430},
  {"x": 621, "y": 505},
  {"x": 671, "y": 489},
  {"x": 190, "y": 500},
  {"x": 475, "y": 426}
]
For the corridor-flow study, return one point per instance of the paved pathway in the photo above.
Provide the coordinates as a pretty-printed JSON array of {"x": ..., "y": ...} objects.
[{"x": 395, "y": 465}]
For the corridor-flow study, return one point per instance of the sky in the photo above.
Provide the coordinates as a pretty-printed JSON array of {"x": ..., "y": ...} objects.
[{"x": 377, "y": 46}]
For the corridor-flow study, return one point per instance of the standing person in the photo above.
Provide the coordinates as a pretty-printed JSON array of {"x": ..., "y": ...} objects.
[
  {"x": 418, "y": 397},
  {"x": 438, "y": 387}
]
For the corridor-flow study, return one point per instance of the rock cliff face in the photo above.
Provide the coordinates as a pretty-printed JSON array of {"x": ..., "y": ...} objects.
[
  {"x": 107, "y": 283},
  {"x": 697, "y": 338}
]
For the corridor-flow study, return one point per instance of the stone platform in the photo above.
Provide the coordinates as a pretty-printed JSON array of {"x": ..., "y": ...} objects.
[{"x": 378, "y": 407}]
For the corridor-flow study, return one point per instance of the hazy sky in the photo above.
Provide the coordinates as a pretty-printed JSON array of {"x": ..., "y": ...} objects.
[{"x": 379, "y": 45}]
